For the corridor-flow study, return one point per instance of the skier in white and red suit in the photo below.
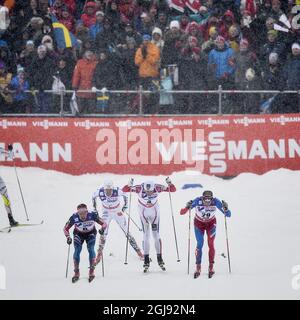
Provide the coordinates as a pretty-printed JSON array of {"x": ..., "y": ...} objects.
[{"x": 148, "y": 208}]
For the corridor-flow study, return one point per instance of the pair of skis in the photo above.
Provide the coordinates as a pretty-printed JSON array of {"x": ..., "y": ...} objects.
[{"x": 8, "y": 229}]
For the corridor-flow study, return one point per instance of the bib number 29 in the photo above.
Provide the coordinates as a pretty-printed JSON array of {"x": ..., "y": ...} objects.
[{"x": 206, "y": 215}]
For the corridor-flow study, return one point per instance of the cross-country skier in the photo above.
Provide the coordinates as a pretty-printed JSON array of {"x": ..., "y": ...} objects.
[
  {"x": 84, "y": 230},
  {"x": 149, "y": 212},
  {"x": 112, "y": 209},
  {"x": 5, "y": 197},
  {"x": 206, "y": 207}
]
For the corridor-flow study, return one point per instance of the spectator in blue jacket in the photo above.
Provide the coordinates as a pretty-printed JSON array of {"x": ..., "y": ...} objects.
[
  {"x": 98, "y": 26},
  {"x": 221, "y": 68},
  {"x": 19, "y": 84},
  {"x": 221, "y": 62}
]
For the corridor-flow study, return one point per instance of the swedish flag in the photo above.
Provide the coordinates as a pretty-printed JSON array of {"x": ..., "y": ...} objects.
[{"x": 63, "y": 37}]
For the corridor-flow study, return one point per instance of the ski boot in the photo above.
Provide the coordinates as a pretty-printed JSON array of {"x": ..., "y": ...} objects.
[
  {"x": 211, "y": 271},
  {"x": 76, "y": 276},
  {"x": 146, "y": 263},
  {"x": 160, "y": 262},
  {"x": 12, "y": 221},
  {"x": 198, "y": 271}
]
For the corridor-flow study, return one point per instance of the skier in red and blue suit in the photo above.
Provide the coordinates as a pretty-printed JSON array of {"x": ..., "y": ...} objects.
[
  {"x": 84, "y": 230},
  {"x": 205, "y": 220}
]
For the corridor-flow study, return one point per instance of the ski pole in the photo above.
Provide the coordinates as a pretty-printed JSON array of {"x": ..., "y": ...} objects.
[
  {"x": 133, "y": 221},
  {"x": 67, "y": 268},
  {"x": 129, "y": 209},
  {"x": 102, "y": 265},
  {"x": 10, "y": 148},
  {"x": 171, "y": 206},
  {"x": 189, "y": 242},
  {"x": 227, "y": 243},
  {"x": 24, "y": 204}
]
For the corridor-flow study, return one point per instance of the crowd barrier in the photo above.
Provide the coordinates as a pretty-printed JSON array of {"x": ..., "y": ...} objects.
[{"x": 113, "y": 101}]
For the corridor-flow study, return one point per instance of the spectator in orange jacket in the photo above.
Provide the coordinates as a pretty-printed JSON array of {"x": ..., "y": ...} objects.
[
  {"x": 147, "y": 58},
  {"x": 82, "y": 80}
]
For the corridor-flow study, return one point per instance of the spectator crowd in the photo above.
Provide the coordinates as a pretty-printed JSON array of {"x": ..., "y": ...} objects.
[{"x": 161, "y": 45}]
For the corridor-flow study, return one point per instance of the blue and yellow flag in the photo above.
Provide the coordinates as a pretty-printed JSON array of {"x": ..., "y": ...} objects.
[{"x": 63, "y": 37}]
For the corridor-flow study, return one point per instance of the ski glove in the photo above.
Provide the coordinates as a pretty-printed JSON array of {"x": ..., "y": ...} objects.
[
  {"x": 69, "y": 240},
  {"x": 104, "y": 226},
  {"x": 130, "y": 183},
  {"x": 168, "y": 181},
  {"x": 225, "y": 206},
  {"x": 189, "y": 204},
  {"x": 125, "y": 207},
  {"x": 10, "y": 151}
]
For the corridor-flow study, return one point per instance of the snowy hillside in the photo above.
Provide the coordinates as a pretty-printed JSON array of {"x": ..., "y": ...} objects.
[{"x": 263, "y": 233}]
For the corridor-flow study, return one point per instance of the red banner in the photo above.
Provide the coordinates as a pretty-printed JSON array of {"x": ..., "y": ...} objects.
[{"x": 223, "y": 146}]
